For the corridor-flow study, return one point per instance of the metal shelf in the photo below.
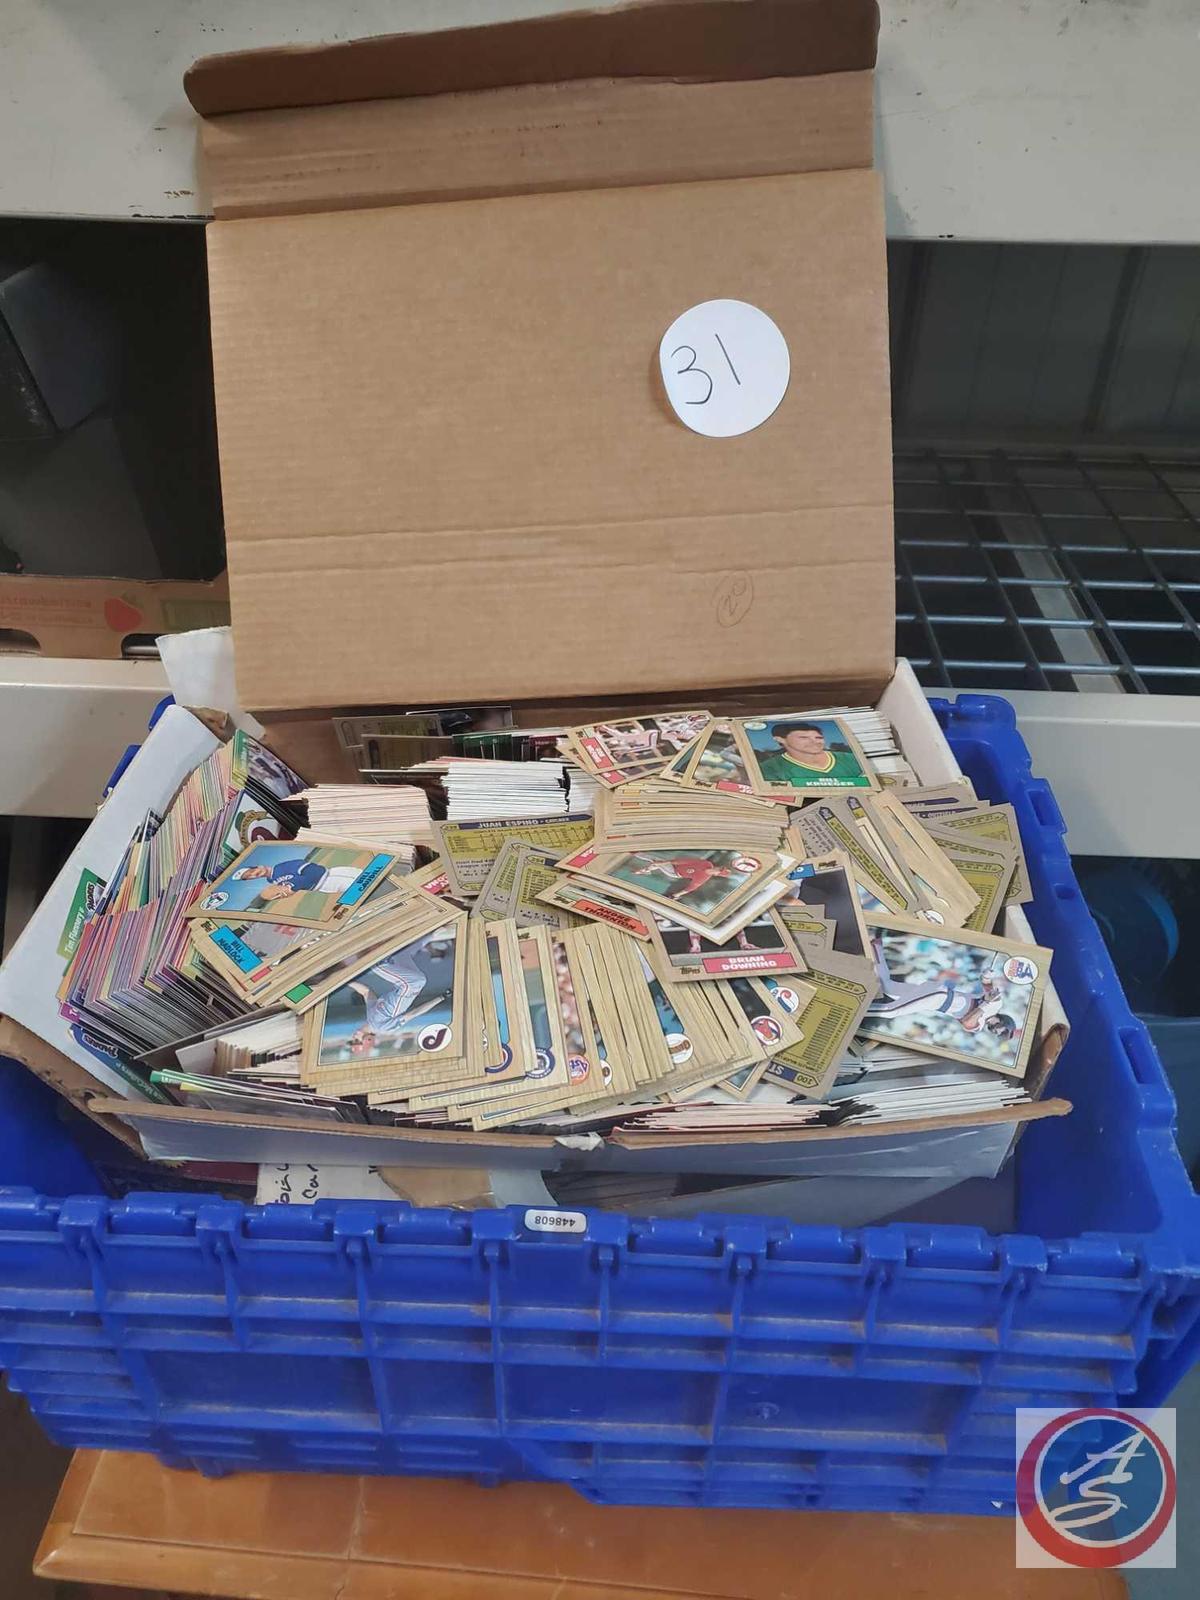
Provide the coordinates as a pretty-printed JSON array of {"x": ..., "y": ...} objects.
[
  {"x": 1069, "y": 582},
  {"x": 1050, "y": 570}
]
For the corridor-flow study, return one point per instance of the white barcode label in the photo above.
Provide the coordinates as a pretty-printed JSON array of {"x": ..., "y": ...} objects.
[{"x": 556, "y": 1222}]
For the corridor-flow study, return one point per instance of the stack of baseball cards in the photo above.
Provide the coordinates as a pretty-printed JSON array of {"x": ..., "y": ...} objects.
[
  {"x": 636, "y": 747},
  {"x": 133, "y": 979},
  {"x": 395, "y": 814},
  {"x": 748, "y": 923},
  {"x": 394, "y": 741}
]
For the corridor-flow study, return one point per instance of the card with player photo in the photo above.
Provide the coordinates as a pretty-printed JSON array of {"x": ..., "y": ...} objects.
[
  {"x": 582, "y": 898},
  {"x": 308, "y": 885},
  {"x": 613, "y": 752},
  {"x": 791, "y": 757},
  {"x": 706, "y": 884},
  {"x": 761, "y": 947},
  {"x": 713, "y": 763},
  {"x": 826, "y": 886},
  {"x": 408, "y": 1006},
  {"x": 969, "y": 997}
]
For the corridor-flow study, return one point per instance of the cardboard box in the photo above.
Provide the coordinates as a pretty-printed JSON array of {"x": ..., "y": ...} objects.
[
  {"x": 94, "y": 619},
  {"x": 438, "y": 409},
  {"x": 440, "y": 271}
]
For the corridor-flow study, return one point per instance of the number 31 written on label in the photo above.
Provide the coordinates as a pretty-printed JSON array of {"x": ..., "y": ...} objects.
[{"x": 725, "y": 367}]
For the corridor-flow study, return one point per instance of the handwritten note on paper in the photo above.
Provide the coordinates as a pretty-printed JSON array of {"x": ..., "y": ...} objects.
[{"x": 300, "y": 1183}]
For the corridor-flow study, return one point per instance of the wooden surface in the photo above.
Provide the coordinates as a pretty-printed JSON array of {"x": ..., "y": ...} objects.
[{"x": 124, "y": 1520}]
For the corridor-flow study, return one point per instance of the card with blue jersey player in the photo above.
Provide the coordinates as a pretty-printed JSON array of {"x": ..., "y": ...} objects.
[
  {"x": 308, "y": 885},
  {"x": 966, "y": 996},
  {"x": 261, "y": 961}
]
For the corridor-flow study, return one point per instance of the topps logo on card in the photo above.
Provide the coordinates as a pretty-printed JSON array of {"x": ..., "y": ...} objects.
[
  {"x": 725, "y": 367},
  {"x": 83, "y": 903},
  {"x": 556, "y": 1222}
]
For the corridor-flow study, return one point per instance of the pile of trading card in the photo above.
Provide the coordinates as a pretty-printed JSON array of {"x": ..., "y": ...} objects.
[{"x": 703, "y": 925}]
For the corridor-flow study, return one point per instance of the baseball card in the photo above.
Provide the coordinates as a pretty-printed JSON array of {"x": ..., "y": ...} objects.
[
  {"x": 549, "y": 1069},
  {"x": 775, "y": 1026},
  {"x": 969, "y": 997},
  {"x": 791, "y": 757},
  {"x": 998, "y": 823},
  {"x": 839, "y": 989},
  {"x": 496, "y": 894},
  {"x": 706, "y": 884},
  {"x": 469, "y": 849},
  {"x": 583, "y": 899},
  {"x": 615, "y": 750},
  {"x": 406, "y": 1007},
  {"x": 833, "y": 825},
  {"x": 825, "y": 886},
  {"x": 762, "y": 946},
  {"x": 309, "y": 885}
]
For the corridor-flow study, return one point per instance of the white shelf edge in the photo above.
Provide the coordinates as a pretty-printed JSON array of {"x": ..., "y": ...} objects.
[{"x": 64, "y": 726}]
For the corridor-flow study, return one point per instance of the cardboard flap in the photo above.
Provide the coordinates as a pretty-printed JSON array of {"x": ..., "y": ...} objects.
[
  {"x": 711, "y": 40},
  {"x": 533, "y": 139},
  {"x": 662, "y": 91}
]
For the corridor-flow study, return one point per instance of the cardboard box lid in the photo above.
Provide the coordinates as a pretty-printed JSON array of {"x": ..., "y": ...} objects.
[
  {"x": 722, "y": 40},
  {"x": 448, "y": 465}
]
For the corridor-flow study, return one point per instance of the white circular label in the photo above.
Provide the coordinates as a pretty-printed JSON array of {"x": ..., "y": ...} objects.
[
  {"x": 1018, "y": 969},
  {"x": 766, "y": 1030},
  {"x": 679, "y": 1048},
  {"x": 725, "y": 367}
]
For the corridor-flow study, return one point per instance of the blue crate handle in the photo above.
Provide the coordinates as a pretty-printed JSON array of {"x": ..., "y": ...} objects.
[{"x": 132, "y": 749}]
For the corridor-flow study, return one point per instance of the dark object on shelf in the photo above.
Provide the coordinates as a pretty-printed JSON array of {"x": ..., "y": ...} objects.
[
  {"x": 58, "y": 351},
  {"x": 1149, "y": 914},
  {"x": 1133, "y": 905},
  {"x": 107, "y": 437}
]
